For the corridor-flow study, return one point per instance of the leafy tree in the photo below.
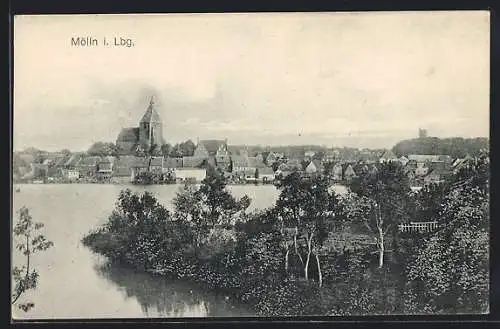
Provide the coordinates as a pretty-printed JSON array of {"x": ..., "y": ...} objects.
[
  {"x": 29, "y": 242},
  {"x": 387, "y": 192},
  {"x": 166, "y": 149},
  {"x": 103, "y": 149},
  {"x": 454, "y": 147},
  {"x": 208, "y": 206},
  {"x": 66, "y": 152},
  {"x": 306, "y": 205},
  {"x": 217, "y": 204},
  {"x": 187, "y": 148},
  {"x": 451, "y": 272}
]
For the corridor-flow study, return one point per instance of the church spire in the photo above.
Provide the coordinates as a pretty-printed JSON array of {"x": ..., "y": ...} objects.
[{"x": 151, "y": 114}]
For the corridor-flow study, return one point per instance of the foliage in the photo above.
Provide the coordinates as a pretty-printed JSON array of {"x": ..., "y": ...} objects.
[
  {"x": 29, "y": 242},
  {"x": 103, "y": 149},
  {"x": 454, "y": 147},
  {"x": 450, "y": 272},
  {"x": 267, "y": 258}
]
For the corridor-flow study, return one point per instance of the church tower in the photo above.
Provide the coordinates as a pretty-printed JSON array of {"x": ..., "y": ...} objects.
[{"x": 151, "y": 127}]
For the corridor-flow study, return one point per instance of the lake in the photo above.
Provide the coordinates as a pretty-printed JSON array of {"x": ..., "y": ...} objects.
[{"x": 75, "y": 283}]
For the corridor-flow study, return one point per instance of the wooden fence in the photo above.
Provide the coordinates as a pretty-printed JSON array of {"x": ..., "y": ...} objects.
[{"x": 418, "y": 227}]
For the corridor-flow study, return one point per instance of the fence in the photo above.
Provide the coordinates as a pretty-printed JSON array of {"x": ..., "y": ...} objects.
[{"x": 418, "y": 227}]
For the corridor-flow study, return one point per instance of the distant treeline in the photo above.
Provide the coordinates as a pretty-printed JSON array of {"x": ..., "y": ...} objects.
[{"x": 456, "y": 147}]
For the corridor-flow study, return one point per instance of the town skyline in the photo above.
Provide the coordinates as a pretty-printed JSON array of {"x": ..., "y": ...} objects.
[{"x": 263, "y": 79}]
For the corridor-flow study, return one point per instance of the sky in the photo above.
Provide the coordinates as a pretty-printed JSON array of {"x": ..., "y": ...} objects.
[{"x": 335, "y": 79}]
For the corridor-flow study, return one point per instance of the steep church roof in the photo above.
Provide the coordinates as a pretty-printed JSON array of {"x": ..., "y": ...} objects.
[
  {"x": 151, "y": 114},
  {"x": 129, "y": 135}
]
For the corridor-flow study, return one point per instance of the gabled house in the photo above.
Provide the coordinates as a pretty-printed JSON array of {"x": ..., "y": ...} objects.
[
  {"x": 266, "y": 174},
  {"x": 435, "y": 177},
  {"x": 211, "y": 148},
  {"x": 349, "y": 173},
  {"x": 72, "y": 161},
  {"x": 421, "y": 170},
  {"x": 104, "y": 170},
  {"x": 336, "y": 172},
  {"x": 87, "y": 166},
  {"x": 387, "y": 156},
  {"x": 314, "y": 167},
  {"x": 240, "y": 163},
  {"x": 123, "y": 165},
  {"x": 273, "y": 157},
  {"x": 404, "y": 160},
  {"x": 156, "y": 164}
]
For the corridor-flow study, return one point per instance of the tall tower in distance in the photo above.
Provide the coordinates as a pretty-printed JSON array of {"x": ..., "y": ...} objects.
[
  {"x": 151, "y": 126},
  {"x": 422, "y": 133}
]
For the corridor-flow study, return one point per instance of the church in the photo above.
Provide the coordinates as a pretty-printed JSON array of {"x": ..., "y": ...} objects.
[{"x": 149, "y": 133}]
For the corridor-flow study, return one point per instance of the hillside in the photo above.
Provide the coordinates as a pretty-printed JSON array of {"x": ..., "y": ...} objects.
[{"x": 456, "y": 147}]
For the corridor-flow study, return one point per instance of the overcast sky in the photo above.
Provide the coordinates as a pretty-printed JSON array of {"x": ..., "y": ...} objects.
[{"x": 335, "y": 79}]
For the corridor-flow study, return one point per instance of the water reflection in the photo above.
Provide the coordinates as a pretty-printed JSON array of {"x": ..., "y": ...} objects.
[{"x": 161, "y": 297}]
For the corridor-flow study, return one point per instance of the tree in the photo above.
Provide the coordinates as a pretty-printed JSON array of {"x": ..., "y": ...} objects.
[
  {"x": 30, "y": 242},
  {"x": 218, "y": 205},
  {"x": 103, "y": 149},
  {"x": 387, "y": 193},
  {"x": 208, "y": 206},
  {"x": 187, "y": 148},
  {"x": 66, "y": 152},
  {"x": 451, "y": 272},
  {"x": 306, "y": 205},
  {"x": 166, "y": 149}
]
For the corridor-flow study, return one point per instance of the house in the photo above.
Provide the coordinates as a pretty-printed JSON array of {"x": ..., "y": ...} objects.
[
  {"x": 331, "y": 155},
  {"x": 421, "y": 170},
  {"x": 404, "y": 160},
  {"x": 314, "y": 167},
  {"x": 72, "y": 161},
  {"x": 88, "y": 166},
  {"x": 349, "y": 173},
  {"x": 190, "y": 174},
  {"x": 336, "y": 172},
  {"x": 156, "y": 164},
  {"x": 122, "y": 165},
  {"x": 434, "y": 177},
  {"x": 70, "y": 174},
  {"x": 240, "y": 163},
  {"x": 193, "y": 161},
  {"x": 425, "y": 158},
  {"x": 169, "y": 164},
  {"x": 222, "y": 157},
  {"x": 387, "y": 156},
  {"x": 140, "y": 165},
  {"x": 273, "y": 157},
  {"x": 104, "y": 170},
  {"x": 462, "y": 163},
  {"x": 211, "y": 147},
  {"x": 266, "y": 174},
  {"x": 308, "y": 155},
  {"x": 250, "y": 175}
]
